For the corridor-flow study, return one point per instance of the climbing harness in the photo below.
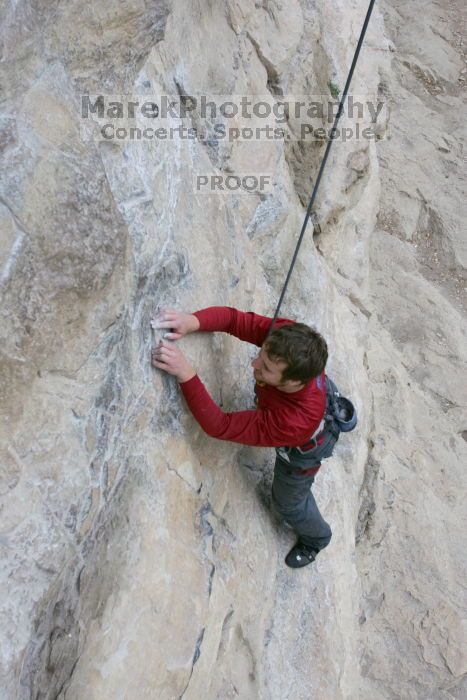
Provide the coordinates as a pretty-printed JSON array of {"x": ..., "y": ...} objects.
[{"x": 340, "y": 416}]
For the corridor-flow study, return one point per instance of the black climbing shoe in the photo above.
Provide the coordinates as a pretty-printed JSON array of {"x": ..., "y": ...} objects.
[{"x": 300, "y": 555}]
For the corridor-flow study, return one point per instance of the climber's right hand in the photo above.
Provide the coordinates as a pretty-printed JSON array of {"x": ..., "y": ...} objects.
[{"x": 179, "y": 323}]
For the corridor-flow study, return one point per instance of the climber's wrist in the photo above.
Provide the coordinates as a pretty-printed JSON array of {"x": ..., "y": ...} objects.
[
  {"x": 186, "y": 375},
  {"x": 194, "y": 323}
]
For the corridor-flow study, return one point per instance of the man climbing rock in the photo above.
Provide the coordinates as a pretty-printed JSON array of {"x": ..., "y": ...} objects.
[{"x": 291, "y": 406}]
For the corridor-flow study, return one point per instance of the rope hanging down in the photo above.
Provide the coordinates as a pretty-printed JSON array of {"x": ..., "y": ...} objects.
[{"x": 325, "y": 157}]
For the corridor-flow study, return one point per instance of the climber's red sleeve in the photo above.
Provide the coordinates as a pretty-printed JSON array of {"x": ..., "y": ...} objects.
[
  {"x": 263, "y": 428},
  {"x": 245, "y": 325}
]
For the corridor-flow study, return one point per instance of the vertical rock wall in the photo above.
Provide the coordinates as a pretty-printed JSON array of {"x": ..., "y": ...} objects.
[
  {"x": 140, "y": 557},
  {"x": 412, "y": 521}
]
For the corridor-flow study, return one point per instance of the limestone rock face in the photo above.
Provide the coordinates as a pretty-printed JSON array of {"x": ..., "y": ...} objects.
[{"x": 141, "y": 558}]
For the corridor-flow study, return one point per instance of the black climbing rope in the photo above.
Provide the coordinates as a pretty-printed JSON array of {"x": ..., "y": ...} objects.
[{"x": 325, "y": 157}]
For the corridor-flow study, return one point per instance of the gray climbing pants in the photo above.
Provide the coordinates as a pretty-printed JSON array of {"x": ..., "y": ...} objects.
[{"x": 292, "y": 498}]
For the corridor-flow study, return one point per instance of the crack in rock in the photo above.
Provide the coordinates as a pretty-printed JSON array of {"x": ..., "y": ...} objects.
[{"x": 196, "y": 655}]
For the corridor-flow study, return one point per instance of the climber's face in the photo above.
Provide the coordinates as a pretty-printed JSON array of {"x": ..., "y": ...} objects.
[{"x": 267, "y": 371}]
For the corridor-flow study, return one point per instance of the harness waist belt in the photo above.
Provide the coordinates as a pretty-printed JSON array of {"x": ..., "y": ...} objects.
[{"x": 313, "y": 441}]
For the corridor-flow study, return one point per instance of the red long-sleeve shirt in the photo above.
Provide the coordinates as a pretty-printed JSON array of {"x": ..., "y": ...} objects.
[{"x": 280, "y": 419}]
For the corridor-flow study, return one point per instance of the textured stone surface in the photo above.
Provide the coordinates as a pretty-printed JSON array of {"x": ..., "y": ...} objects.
[{"x": 140, "y": 558}]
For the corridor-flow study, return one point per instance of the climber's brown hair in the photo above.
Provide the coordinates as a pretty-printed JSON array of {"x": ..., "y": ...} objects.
[{"x": 303, "y": 349}]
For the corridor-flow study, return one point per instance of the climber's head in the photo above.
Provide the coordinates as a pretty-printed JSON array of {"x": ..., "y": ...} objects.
[{"x": 291, "y": 356}]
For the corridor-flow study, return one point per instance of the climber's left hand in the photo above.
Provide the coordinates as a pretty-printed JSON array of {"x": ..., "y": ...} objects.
[{"x": 170, "y": 358}]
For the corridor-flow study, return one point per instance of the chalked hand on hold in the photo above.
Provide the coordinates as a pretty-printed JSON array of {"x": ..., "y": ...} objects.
[
  {"x": 177, "y": 323},
  {"x": 170, "y": 358}
]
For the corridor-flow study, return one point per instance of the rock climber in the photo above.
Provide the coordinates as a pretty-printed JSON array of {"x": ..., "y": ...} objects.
[{"x": 291, "y": 406}]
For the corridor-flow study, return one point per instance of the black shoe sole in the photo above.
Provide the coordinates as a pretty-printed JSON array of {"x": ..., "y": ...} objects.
[{"x": 296, "y": 559}]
